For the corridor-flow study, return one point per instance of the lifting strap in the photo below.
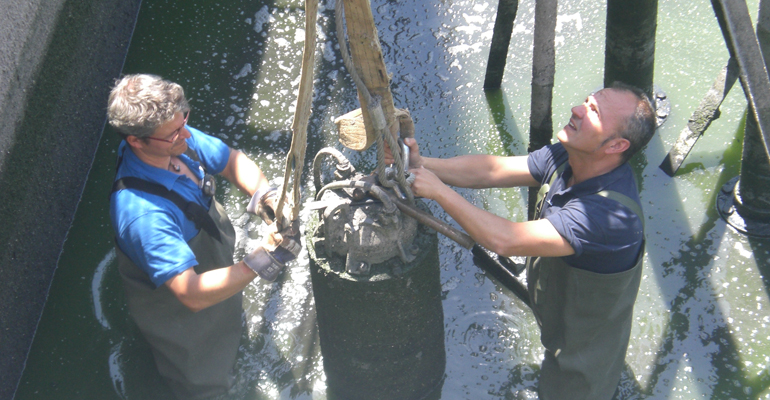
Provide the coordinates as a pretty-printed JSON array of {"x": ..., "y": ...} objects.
[{"x": 295, "y": 160}]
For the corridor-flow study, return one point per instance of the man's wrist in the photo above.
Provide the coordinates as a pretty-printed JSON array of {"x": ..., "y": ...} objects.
[
  {"x": 257, "y": 197},
  {"x": 428, "y": 163},
  {"x": 262, "y": 191},
  {"x": 264, "y": 264}
]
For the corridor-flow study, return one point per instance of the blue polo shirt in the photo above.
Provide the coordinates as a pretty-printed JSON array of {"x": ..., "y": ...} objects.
[
  {"x": 151, "y": 230},
  {"x": 605, "y": 235}
]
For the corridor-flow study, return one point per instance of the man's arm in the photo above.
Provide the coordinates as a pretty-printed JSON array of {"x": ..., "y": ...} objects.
[
  {"x": 532, "y": 238},
  {"x": 197, "y": 292},
  {"x": 244, "y": 173},
  {"x": 475, "y": 171}
]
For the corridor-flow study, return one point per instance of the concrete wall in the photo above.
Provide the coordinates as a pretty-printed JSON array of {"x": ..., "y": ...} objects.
[{"x": 58, "y": 59}]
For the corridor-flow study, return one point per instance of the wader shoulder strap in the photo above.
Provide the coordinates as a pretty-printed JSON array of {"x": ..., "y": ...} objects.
[
  {"x": 609, "y": 194},
  {"x": 556, "y": 173},
  {"x": 624, "y": 200},
  {"x": 546, "y": 187},
  {"x": 193, "y": 211}
]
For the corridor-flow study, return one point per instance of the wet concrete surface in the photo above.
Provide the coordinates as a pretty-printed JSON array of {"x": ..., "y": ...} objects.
[{"x": 57, "y": 62}]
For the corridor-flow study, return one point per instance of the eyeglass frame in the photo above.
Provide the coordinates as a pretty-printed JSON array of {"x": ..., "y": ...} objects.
[{"x": 176, "y": 133}]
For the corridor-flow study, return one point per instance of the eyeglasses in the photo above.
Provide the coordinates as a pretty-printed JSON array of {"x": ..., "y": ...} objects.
[{"x": 174, "y": 135}]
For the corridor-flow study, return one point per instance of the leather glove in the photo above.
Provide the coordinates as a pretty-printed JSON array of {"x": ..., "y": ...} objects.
[
  {"x": 279, "y": 248},
  {"x": 263, "y": 203}
]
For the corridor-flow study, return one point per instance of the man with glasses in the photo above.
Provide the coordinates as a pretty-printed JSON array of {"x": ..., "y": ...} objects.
[
  {"x": 586, "y": 246},
  {"x": 174, "y": 241}
]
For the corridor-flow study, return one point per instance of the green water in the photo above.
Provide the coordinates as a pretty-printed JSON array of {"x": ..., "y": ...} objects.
[{"x": 700, "y": 323}]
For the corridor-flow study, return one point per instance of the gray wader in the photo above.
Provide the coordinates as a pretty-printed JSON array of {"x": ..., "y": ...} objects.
[
  {"x": 585, "y": 320},
  {"x": 195, "y": 352}
]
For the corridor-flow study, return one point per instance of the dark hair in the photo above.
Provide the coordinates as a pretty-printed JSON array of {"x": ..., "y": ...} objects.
[{"x": 640, "y": 126}]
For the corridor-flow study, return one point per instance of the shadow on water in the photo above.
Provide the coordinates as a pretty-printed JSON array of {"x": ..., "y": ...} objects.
[{"x": 698, "y": 329}]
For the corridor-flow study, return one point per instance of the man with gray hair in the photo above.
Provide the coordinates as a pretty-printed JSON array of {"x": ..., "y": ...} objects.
[
  {"x": 586, "y": 245},
  {"x": 174, "y": 241}
]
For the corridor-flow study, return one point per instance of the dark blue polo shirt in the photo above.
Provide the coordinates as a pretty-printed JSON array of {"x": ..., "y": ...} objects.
[{"x": 605, "y": 235}]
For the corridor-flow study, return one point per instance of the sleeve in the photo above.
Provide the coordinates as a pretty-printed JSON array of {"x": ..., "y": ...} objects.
[
  {"x": 595, "y": 225},
  {"x": 154, "y": 242},
  {"x": 544, "y": 161},
  {"x": 213, "y": 152}
]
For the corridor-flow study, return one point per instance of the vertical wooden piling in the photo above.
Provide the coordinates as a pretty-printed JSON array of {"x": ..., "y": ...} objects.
[
  {"x": 763, "y": 30},
  {"x": 501, "y": 39},
  {"x": 744, "y": 201},
  {"x": 543, "y": 69},
  {"x": 752, "y": 197},
  {"x": 629, "y": 54}
]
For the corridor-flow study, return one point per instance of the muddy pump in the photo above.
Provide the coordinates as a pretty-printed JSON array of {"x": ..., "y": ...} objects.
[
  {"x": 376, "y": 284},
  {"x": 360, "y": 220}
]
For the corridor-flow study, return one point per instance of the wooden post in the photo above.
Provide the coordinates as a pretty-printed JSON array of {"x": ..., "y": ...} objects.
[
  {"x": 763, "y": 30},
  {"x": 753, "y": 195},
  {"x": 367, "y": 56},
  {"x": 543, "y": 69},
  {"x": 501, "y": 39},
  {"x": 629, "y": 54}
]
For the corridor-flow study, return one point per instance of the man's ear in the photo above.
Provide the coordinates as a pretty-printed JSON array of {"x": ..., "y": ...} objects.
[
  {"x": 618, "y": 145},
  {"x": 134, "y": 142}
]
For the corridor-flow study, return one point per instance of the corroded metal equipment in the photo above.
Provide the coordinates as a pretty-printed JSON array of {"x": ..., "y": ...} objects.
[
  {"x": 376, "y": 283},
  {"x": 361, "y": 223}
]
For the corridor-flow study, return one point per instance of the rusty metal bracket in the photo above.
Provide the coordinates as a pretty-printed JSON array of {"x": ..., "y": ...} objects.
[
  {"x": 707, "y": 111},
  {"x": 741, "y": 40}
]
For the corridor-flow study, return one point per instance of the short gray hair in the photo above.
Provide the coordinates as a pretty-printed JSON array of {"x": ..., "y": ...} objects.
[
  {"x": 640, "y": 126},
  {"x": 139, "y": 104}
]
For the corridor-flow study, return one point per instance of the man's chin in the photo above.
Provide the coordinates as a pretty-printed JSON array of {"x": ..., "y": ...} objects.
[
  {"x": 180, "y": 149},
  {"x": 562, "y": 136}
]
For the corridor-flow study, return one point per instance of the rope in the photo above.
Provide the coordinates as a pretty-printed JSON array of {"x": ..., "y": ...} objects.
[
  {"x": 377, "y": 116},
  {"x": 295, "y": 160}
]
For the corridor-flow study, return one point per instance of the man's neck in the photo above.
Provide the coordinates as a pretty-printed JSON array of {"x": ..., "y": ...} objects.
[
  {"x": 161, "y": 162},
  {"x": 584, "y": 169}
]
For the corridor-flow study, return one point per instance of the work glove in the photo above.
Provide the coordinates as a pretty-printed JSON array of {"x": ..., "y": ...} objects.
[
  {"x": 279, "y": 248},
  {"x": 263, "y": 203}
]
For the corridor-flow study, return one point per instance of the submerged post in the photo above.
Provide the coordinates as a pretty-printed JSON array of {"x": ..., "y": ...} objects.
[
  {"x": 501, "y": 39},
  {"x": 543, "y": 70},
  {"x": 629, "y": 55},
  {"x": 744, "y": 201}
]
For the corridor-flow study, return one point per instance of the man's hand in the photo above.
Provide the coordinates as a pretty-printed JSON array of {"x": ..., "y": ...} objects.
[
  {"x": 264, "y": 203},
  {"x": 415, "y": 160},
  {"x": 279, "y": 248},
  {"x": 426, "y": 184},
  {"x": 284, "y": 245}
]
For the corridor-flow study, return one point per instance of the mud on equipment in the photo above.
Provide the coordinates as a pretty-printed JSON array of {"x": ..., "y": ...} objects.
[{"x": 375, "y": 275}]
